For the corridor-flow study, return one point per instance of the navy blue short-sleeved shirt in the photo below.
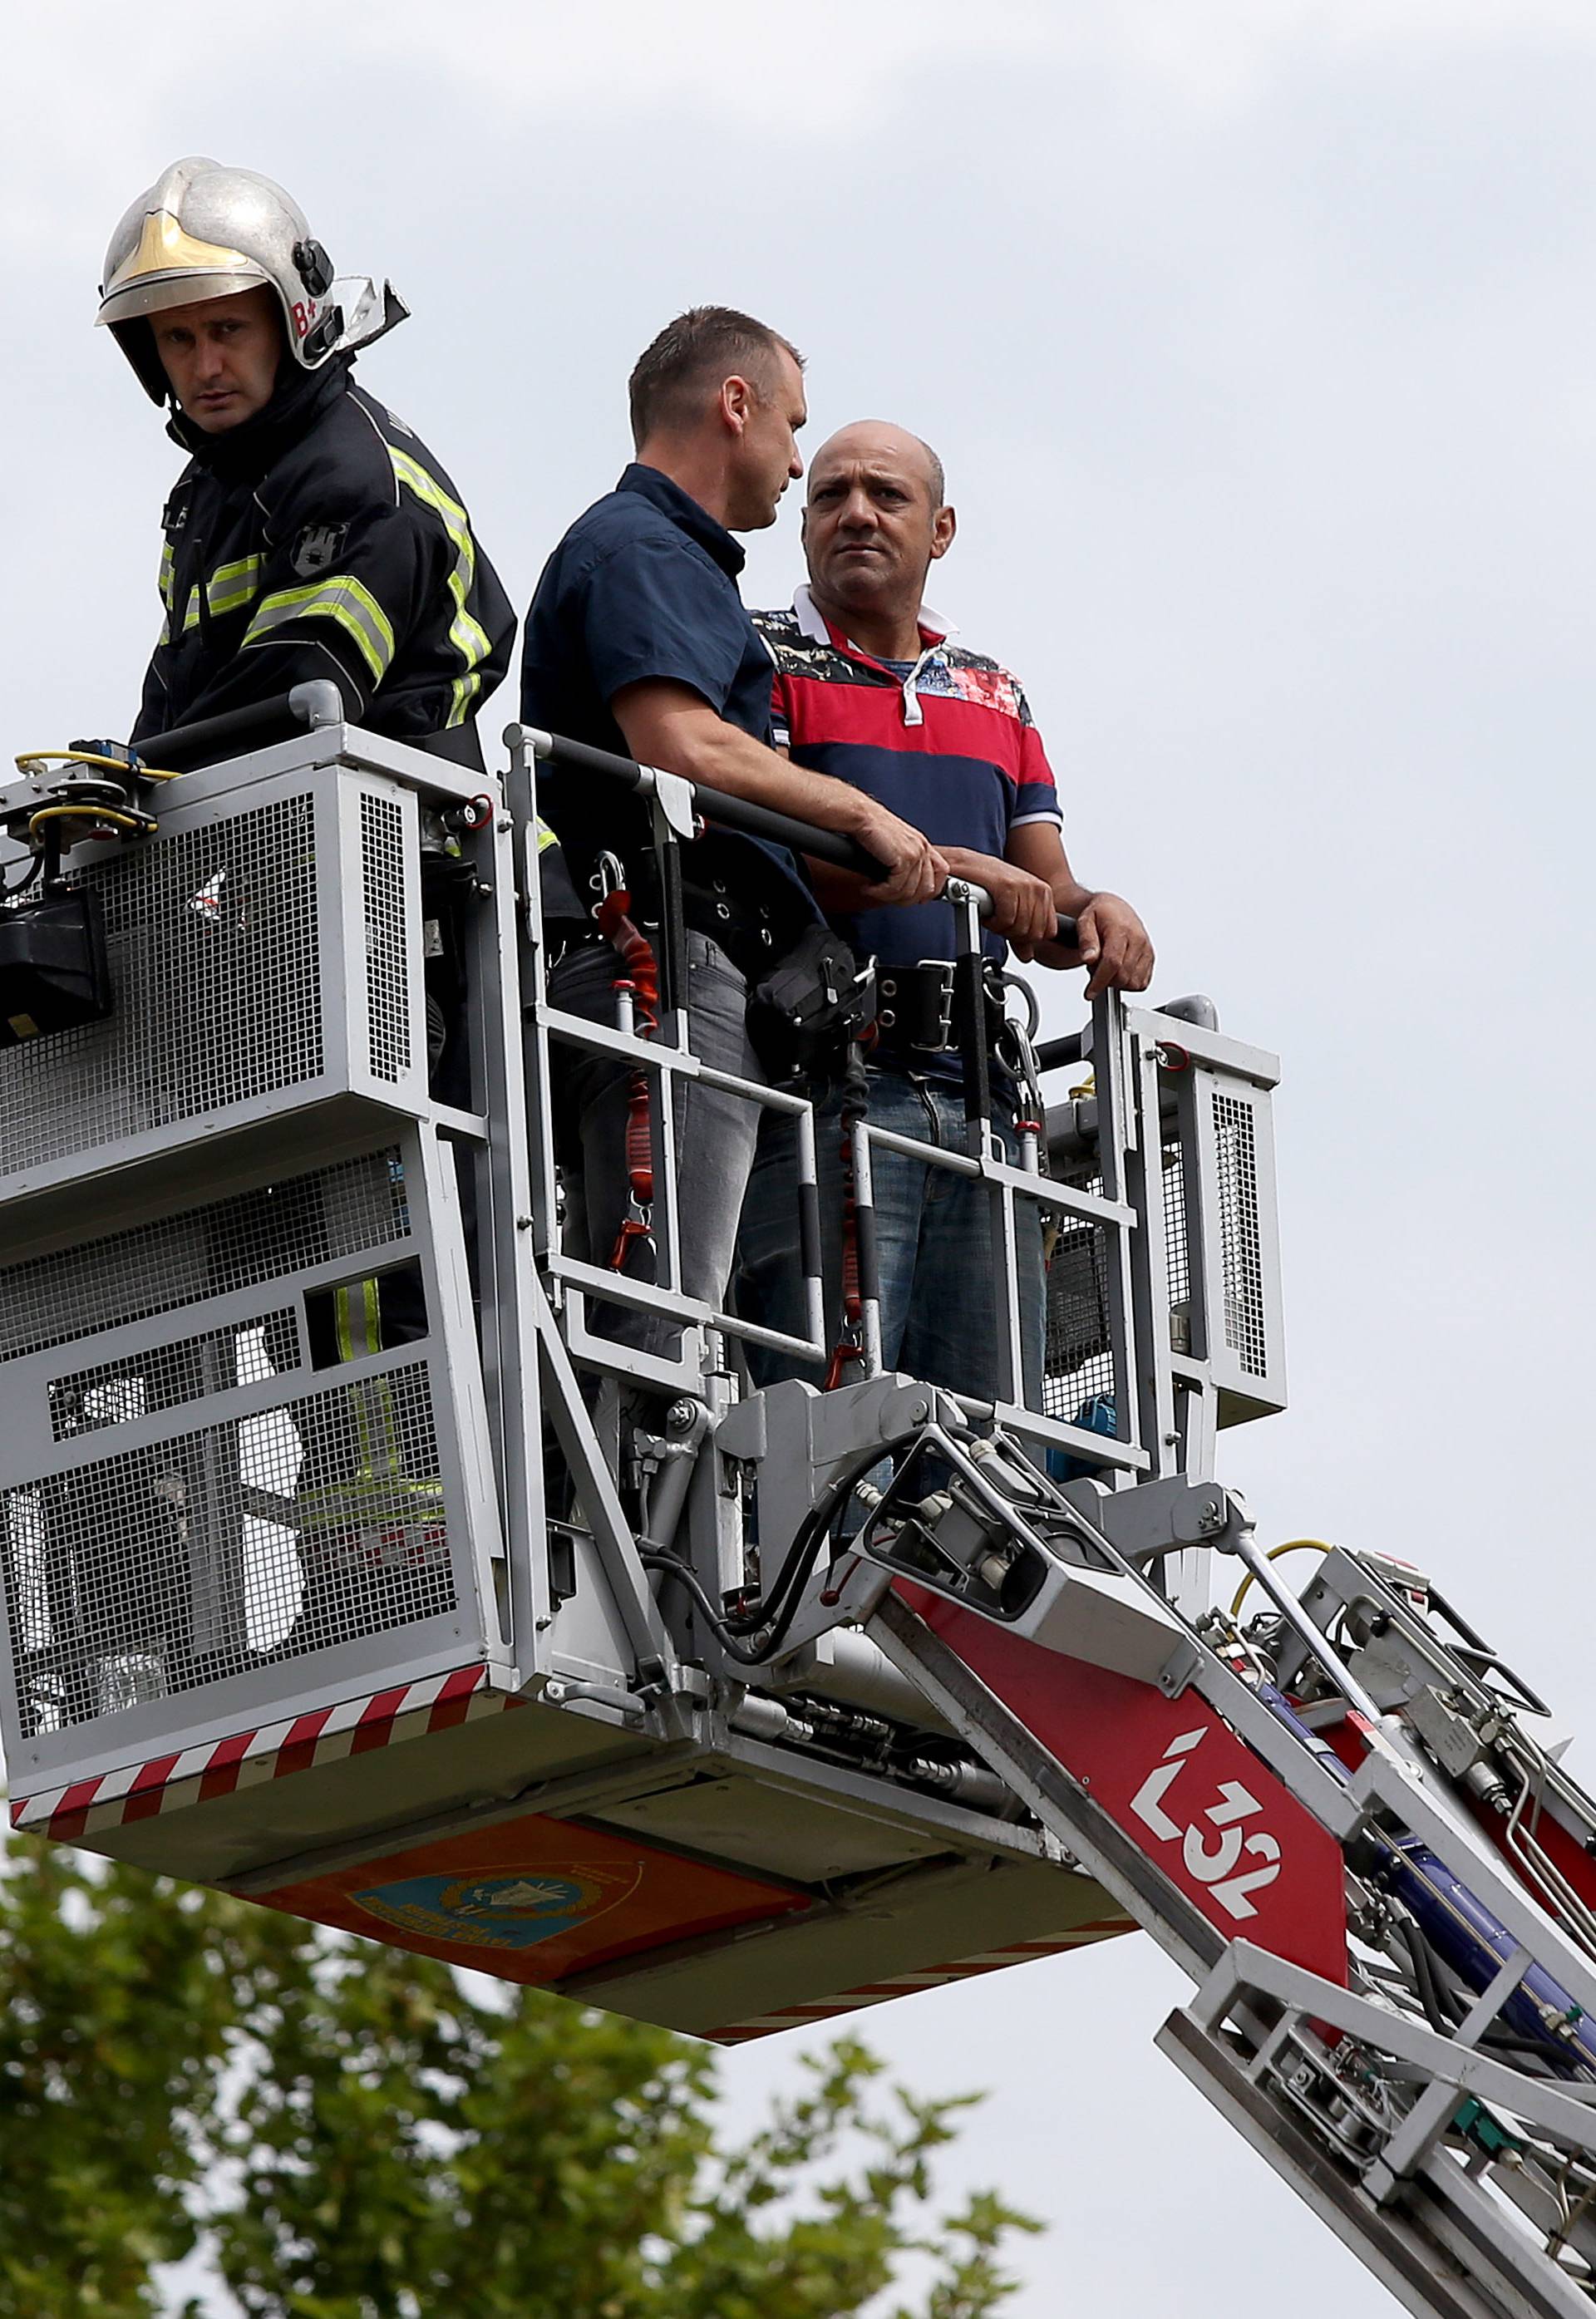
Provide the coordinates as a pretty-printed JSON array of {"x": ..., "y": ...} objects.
[{"x": 645, "y": 584}]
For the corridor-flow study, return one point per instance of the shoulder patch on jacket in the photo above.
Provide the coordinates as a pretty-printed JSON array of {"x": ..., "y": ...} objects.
[{"x": 317, "y": 547}]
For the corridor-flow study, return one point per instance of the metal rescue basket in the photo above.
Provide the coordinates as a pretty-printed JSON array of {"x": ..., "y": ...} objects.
[{"x": 288, "y": 1347}]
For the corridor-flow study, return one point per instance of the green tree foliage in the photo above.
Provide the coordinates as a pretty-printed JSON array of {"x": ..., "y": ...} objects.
[{"x": 359, "y": 2133}]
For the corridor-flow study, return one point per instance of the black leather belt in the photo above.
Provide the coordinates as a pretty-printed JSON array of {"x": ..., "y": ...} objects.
[
  {"x": 747, "y": 933},
  {"x": 744, "y": 929}
]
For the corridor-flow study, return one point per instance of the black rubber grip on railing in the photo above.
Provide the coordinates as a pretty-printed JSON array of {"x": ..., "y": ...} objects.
[
  {"x": 209, "y": 739},
  {"x": 802, "y": 837},
  {"x": 741, "y": 813},
  {"x": 578, "y": 757},
  {"x": 752, "y": 820},
  {"x": 1054, "y": 1054},
  {"x": 810, "y": 1255}
]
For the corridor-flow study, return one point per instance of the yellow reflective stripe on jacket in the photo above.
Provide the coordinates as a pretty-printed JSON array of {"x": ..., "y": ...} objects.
[
  {"x": 228, "y": 589},
  {"x": 359, "y": 1326},
  {"x": 346, "y": 600},
  {"x": 357, "y": 1312},
  {"x": 168, "y": 566},
  {"x": 371, "y": 1497},
  {"x": 466, "y": 633},
  {"x": 546, "y": 836}
]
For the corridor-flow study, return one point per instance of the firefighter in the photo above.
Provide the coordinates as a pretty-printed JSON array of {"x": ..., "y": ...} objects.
[{"x": 311, "y": 534}]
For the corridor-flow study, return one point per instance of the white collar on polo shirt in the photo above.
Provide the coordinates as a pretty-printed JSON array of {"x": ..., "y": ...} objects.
[{"x": 812, "y": 621}]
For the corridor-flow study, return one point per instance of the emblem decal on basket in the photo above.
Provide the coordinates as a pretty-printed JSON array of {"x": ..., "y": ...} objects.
[{"x": 514, "y": 1909}]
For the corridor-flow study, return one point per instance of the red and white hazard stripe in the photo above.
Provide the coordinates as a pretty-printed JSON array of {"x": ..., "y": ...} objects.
[
  {"x": 196, "y": 1774},
  {"x": 904, "y": 1984}
]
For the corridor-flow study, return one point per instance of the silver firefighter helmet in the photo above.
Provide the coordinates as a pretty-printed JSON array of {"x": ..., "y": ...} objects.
[{"x": 205, "y": 232}]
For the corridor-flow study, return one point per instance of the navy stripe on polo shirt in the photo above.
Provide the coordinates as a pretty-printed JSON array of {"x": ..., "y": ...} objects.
[{"x": 949, "y": 747}]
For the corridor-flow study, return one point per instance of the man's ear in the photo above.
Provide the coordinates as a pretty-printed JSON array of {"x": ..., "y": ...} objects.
[
  {"x": 944, "y": 523},
  {"x": 737, "y": 399}
]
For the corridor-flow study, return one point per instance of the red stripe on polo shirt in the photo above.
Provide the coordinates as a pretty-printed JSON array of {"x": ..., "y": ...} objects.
[{"x": 819, "y": 714}]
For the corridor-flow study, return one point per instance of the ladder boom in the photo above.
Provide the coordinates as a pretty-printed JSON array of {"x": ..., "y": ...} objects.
[{"x": 1385, "y": 2009}]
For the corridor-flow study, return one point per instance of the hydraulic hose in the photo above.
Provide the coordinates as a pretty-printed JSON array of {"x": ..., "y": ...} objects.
[
  {"x": 767, "y": 1620},
  {"x": 1465, "y": 1935}
]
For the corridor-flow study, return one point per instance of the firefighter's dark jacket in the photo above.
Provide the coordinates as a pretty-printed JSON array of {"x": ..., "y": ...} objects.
[{"x": 323, "y": 539}]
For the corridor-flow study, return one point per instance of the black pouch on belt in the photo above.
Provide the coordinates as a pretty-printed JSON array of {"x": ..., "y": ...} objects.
[{"x": 814, "y": 1001}]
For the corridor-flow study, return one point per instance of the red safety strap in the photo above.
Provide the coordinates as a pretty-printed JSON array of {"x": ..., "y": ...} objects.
[
  {"x": 850, "y": 1345},
  {"x": 641, "y": 977}
]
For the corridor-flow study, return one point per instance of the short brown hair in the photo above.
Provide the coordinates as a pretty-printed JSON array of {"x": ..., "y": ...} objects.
[{"x": 698, "y": 349}]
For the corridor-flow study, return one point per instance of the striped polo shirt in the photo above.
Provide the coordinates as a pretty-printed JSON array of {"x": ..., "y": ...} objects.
[{"x": 948, "y": 745}]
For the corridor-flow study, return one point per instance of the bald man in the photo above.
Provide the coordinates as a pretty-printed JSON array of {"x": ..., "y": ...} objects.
[{"x": 870, "y": 689}]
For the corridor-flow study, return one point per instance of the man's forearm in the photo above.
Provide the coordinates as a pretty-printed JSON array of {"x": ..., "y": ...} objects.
[
  {"x": 987, "y": 869},
  {"x": 722, "y": 757},
  {"x": 669, "y": 726},
  {"x": 840, "y": 891}
]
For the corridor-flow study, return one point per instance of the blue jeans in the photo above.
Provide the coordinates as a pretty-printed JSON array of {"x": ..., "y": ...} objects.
[{"x": 935, "y": 1253}]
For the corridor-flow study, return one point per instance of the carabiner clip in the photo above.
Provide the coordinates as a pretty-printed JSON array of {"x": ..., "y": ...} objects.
[{"x": 608, "y": 877}]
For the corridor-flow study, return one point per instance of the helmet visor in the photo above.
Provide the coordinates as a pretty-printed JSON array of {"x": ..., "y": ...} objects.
[{"x": 168, "y": 268}]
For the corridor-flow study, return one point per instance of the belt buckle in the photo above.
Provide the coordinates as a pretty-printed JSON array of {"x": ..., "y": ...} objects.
[
  {"x": 941, "y": 993},
  {"x": 922, "y": 1015}
]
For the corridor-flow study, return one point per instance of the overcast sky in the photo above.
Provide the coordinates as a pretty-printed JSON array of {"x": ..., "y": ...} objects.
[{"x": 1257, "y": 339}]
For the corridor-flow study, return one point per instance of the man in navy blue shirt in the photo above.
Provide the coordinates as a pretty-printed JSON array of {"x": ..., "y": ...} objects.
[{"x": 638, "y": 641}]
